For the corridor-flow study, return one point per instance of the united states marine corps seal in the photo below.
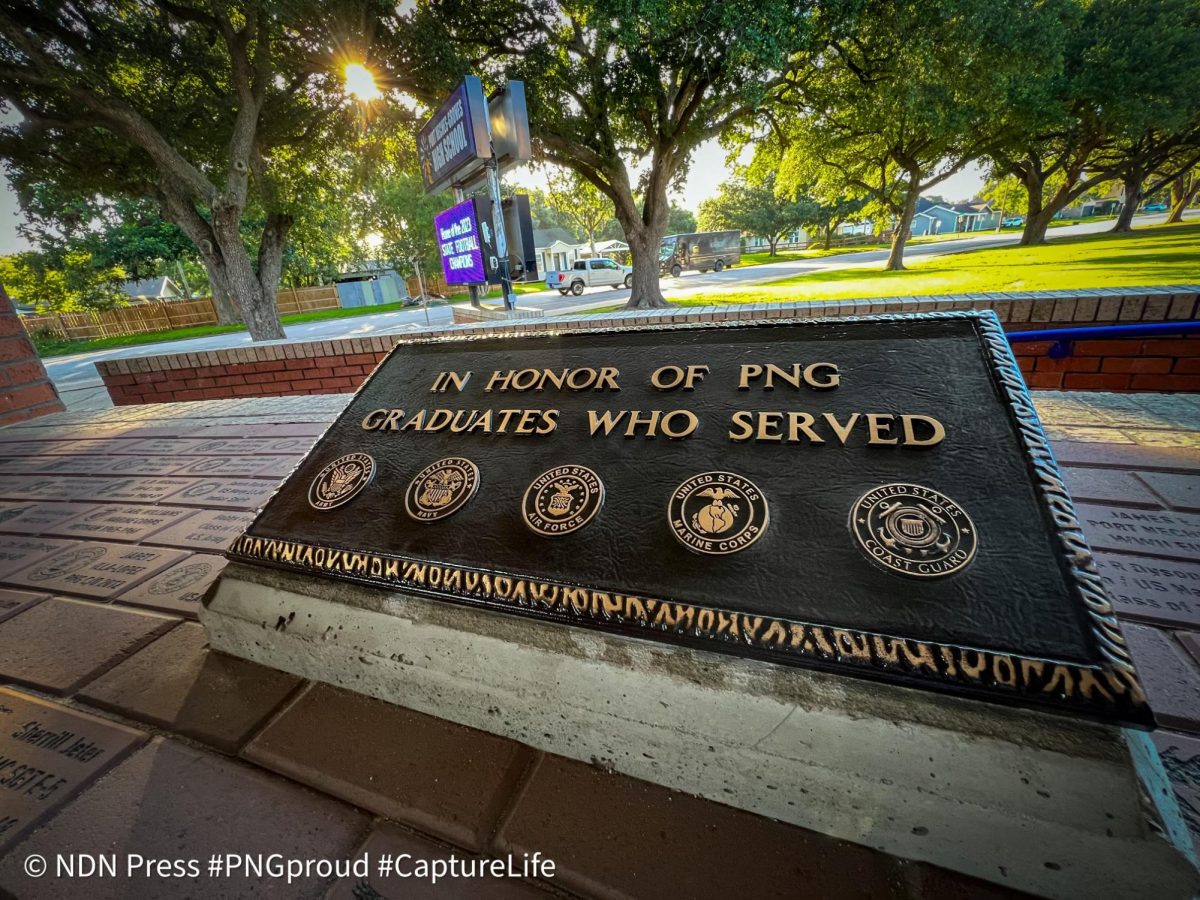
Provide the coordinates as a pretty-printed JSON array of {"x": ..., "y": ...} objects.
[
  {"x": 913, "y": 530},
  {"x": 441, "y": 489},
  {"x": 718, "y": 513},
  {"x": 562, "y": 500},
  {"x": 341, "y": 481}
]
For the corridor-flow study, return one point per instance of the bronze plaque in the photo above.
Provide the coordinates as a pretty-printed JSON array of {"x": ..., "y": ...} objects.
[{"x": 873, "y": 496}]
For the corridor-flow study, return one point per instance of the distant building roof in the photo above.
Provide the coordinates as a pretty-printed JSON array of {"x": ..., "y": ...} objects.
[
  {"x": 544, "y": 237},
  {"x": 974, "y": 207},
  {"x": 152, "y": 289}
]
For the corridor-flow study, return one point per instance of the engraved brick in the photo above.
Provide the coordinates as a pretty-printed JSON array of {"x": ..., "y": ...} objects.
[
  {"x": 169, "y": 801},
  {"x": 1172, "y": 535},
  {"x": 1154, "y": 590},
  {"x": 178, "y": 589},
  {"x": 71, "y": 748}
]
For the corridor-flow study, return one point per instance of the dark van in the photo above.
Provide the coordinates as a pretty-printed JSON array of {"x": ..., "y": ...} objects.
[{"x": 701, "y": 250}]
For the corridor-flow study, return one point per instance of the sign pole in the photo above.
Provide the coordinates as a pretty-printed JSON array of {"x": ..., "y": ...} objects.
[
  {"x": 421, "y": 286},
  {"x": 493, "y": 170}
]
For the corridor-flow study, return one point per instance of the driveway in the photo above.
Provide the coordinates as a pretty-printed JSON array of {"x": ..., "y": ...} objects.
[{"x": 80, "y": 386}]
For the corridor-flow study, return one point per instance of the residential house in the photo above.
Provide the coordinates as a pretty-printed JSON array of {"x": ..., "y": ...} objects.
[
  {"x": 161, "y": 288},
  {"x": 933, "y": 217},
  {"x": 557, "y": 250},
  {"x": 797, "y": 238}
]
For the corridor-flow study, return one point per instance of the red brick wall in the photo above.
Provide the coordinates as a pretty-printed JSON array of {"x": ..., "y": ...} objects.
[
  {"x": 1129, "y": 364},
  {"x": 25, "y": 390},
  {"x": 262, "y": 378}
]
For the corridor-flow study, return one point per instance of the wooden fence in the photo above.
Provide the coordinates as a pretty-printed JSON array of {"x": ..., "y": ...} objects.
[{"x": 145, "y": 318}]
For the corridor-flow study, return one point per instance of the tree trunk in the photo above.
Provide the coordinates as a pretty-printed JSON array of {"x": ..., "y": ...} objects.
[
  {"x": 895, "y": 261},
  {"x": 773, "y": 242},
  {"x": 227, "y": 311},
  {"x": 644, "y": 235},
  {"x": 245, "y": 285},
  {"x": 1183, "y": 191},
  {"x": 644, "y": 246},
  {"x": 1037, "y": 216},
  {"x": 1133, "y": 199},
  {"x": 829, "y": 236}
]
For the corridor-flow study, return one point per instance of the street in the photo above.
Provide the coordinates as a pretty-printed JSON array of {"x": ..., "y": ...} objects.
[{"x": 80, "y": 387}]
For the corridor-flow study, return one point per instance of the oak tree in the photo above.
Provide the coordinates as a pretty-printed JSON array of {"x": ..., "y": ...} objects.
[
  {"x": 751, "y": 205},
  {"x": 214, "y": 110},
  {"x": 909, "y": 93}
]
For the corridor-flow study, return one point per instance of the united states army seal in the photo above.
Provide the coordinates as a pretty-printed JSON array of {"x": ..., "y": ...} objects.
[
  {"x": 341, "y": 481},
  {"x": 562, "y": 500},
  {"x": 913, "y": 530},
  {"x": 717, "y": 513},
  {"x": 441, "y": 489}
]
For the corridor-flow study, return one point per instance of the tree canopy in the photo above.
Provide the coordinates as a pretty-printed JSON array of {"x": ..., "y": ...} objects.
[
  {"x": 1125, "y": 101},
  {"x": 908, "y": 93},
  {"x": 611, "y": 81},
  {"x": 752, "y": 205},
  {"x": 220, "y": 113}
]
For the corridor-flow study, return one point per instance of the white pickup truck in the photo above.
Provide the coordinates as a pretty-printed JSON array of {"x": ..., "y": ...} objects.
[{"x": 587, "y": 273}]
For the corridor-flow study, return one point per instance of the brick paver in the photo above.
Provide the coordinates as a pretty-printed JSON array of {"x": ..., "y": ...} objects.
[
  {"x": 59, "y": 644},
  {"x": 442, "y": 778},
  {"x": 177, "y": 684}
]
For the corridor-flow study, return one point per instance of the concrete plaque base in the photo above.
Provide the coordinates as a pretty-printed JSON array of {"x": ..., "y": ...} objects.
[{"x": 1041, "y": 803}]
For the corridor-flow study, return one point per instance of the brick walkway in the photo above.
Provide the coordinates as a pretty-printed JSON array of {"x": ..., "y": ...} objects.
[{"x": 112, "y": 524}]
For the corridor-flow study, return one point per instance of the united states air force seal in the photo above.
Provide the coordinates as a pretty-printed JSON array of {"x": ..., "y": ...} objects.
[
  {"x": 341, "y": 481},
  {"x": 717, "y": 513},
  {"x": 913, "y": 530},
  {"x": 441, "y": 489},
  {"x": 562, "y": 500}
]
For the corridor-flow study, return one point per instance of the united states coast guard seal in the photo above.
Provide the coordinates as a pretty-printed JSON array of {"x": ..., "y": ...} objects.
[
  {"x": 441, "y": 489},
  {"x": 913, "y": 530},
  {"x": 717, "y": 513},
  {"x": 562, "y": 500},
  {"x": 341, "y": 481}
]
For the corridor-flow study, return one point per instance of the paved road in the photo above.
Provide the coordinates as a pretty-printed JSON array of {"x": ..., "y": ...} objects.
[{"x": 77, "y": 380}]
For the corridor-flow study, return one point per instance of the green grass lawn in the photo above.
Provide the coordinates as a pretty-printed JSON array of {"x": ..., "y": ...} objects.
[
  {"x": 1157, "y": 254},
  {"x": 521, "y": 287}
]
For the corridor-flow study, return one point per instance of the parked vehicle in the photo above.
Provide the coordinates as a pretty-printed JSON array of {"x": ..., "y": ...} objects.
[
  {"x": 586, "y": 273},
  {"x": 701, "y": 250},
  {"x": 1013, "y": 222},
  {"x": 1154, "y": 207}
]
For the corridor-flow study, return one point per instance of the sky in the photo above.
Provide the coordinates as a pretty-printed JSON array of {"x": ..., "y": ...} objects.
[{"x": 707, "y": 171}]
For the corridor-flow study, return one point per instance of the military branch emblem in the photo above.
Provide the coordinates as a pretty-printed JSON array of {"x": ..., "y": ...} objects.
[
  {"x": 341, "y": 481},
  {"x": 913, "y": 530},
  {"x": 562, "y": 500},
  {"x": 441, "y": 489},
  {"x": 717, "y": 513},
  {"x": 65, "y": 563}
]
